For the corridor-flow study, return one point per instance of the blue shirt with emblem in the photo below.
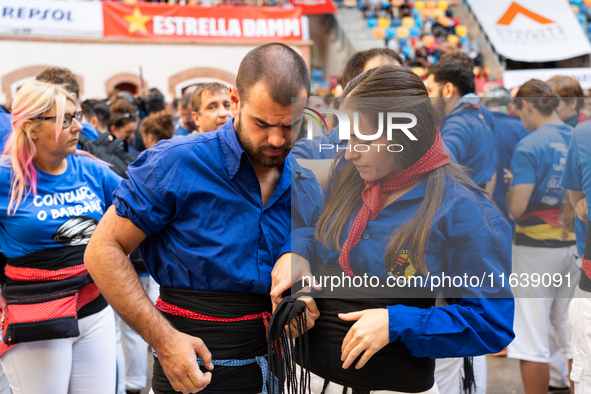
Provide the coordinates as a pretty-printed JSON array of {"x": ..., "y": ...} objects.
[
  {"x": 469, "y": 237},
  {"x": 65, "y": 210},
  {"x": 540, "y": 158},
  {"x": 199, "y": 202}
]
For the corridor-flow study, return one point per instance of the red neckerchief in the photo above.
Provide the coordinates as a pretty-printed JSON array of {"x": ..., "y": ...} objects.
[{"x": 376, "y": 193}]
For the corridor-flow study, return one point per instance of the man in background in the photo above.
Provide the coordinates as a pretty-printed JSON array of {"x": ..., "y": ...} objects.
[
  {"x": 185, "y": 125},
  {"x": 210, "y": 105}
]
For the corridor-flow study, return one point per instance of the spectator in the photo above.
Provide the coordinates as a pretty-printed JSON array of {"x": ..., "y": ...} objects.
[
  {"x": 123, "y": 120},
  {"x": 103, "y": 112},
  {"x": 156, "y": 127},
  {"x": 61, "y": 76},
  {"x": 185, "y": 125},
  {"x": 211, "y": 106}
]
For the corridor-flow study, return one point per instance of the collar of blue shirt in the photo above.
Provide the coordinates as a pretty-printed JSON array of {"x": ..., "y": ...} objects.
[{"x": 469, "y": 98}]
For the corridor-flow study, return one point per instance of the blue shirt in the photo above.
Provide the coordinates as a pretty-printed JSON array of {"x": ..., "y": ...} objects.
[
  {"x": 64, "y": 212},
  {"x": 462, "y": 241},
  {"x": 312, "y": 149},
  {"x": 508, "y": 130},
  {"x": 471, "y": 141},
  {"x": 539, "y": 158},
  {"x": 179, "y": 130},
  {"x": 577, "y": 174},
  {"x": 5, "y": 128},
  {"x": 198, "y": 200},
  {"x": 305, "y": 196}
]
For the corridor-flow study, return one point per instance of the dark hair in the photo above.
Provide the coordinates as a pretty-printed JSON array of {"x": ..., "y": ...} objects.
[
  {"x": 403, "y": 91},
  {"x": 88, "y": 111},
  {"x": 102, "y": 111},
  {"x": 197, "y": 94},
  {"x": 60, "y": 76},
  {"x": 458, "y": 56},
  {"x": 356, "y": 63},
  {"x": 568, "y": 88},
  {"x": 155, "y": 100},
  {"x": 159, "y": 124},
  {"x": 185, "y": 100},
  {"x": 539, "y": 94},
  {"x": 123, "y": 112},
  {"x": 281, "y": 69},
  {"x": 455, "y": 71}
]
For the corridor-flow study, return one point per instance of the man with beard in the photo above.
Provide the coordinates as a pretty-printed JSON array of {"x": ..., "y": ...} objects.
[
  {"x": 211, "y": 215},
  {"x": 466, "y": 128}
]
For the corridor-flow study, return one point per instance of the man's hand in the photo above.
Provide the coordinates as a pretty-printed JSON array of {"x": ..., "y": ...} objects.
[
  {"x": 581, "y": 210},
  {"x": 508, "y": 177},
  {"x": 177, "y": 356},
  {"x": 369, "y": 335},
  {"x": 289, "y": 269},
  {"x": 312, "y": 314}
]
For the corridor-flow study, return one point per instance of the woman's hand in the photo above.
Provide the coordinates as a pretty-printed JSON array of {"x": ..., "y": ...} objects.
[{"x": 369, "y": 335}]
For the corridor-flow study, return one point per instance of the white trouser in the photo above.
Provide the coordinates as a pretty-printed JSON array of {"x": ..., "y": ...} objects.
[
  {"x": 84, "y": 364},
  {"x": 132, "y": 350},
  {"x": 580, "y": 322}
]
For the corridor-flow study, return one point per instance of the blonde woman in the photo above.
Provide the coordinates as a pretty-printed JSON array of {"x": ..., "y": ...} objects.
[{"x": 58, "y": 333}]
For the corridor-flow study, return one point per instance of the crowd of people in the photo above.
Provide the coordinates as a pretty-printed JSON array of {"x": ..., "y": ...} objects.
[{"x": 126, "y": 224}]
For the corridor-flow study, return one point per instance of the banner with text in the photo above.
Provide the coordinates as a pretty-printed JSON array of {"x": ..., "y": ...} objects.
[
  {"x": 220, "y": 23},
  {"x": 51, "y": 18},
  {"x": 532, "y": 30}
]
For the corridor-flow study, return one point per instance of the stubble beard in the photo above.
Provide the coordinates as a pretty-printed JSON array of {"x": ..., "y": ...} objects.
[{"x": 258, "y": 154}]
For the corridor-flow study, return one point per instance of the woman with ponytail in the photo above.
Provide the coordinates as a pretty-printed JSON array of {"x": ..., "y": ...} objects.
[
  {"x": 544, "y": 243},
  {"x": 397, "y": 209},
  {"x": 58, "y": 332}
]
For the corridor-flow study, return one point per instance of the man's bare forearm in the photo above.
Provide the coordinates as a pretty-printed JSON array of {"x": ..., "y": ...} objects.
[{"x": 106, "y": 260}]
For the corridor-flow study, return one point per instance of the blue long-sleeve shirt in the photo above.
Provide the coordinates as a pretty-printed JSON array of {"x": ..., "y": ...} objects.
[
  {"x": 318, "y": 148},
  {"x": 463, "y": 240},
  {"x": 199, "y": 202}
]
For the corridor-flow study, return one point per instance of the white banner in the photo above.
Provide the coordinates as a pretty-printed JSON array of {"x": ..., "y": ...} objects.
[
  {"x": 516, "y": 78},
  {"x": 532, "y": 30},
  {"x": 51, "y": 18}
]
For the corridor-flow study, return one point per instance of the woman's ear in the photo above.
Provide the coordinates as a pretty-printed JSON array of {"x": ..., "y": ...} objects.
[{"x": 28, "y": 128}]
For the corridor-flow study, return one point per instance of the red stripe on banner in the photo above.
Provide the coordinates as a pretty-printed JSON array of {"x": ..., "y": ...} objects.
[
  {"x": 550, "y": 216},
  {"x": 27, "y": 313},
  {"x": 36, "y": 275},
  {"x": 174, "y": 310}
]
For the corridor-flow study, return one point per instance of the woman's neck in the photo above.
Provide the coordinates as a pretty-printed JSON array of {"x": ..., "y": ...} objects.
[
  {"x": 51, "y": 164},
  {"x": 543, "y": 120},
  {"x": 396, "y": 194}
]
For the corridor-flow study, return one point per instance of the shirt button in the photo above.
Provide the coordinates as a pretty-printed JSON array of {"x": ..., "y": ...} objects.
[{"x": 365, "y": 236}]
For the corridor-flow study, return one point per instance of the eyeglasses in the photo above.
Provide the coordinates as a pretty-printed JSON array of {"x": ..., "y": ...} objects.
[{"x": 68, "y": 118}]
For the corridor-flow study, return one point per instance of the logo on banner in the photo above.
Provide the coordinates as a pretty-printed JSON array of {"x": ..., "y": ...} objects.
[
  {"x": 522, "y": 26},
  {"x": 177, "y": 22},
  {"x": 137, "y": 21},
  {"x": 515, "y": 9}
]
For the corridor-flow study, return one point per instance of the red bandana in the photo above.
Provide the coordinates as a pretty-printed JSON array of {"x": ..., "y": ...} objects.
[{"x": 376, "y": 193}]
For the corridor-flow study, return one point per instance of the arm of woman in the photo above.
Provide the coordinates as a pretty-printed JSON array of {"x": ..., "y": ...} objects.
[{"x": 481, "y": 321}]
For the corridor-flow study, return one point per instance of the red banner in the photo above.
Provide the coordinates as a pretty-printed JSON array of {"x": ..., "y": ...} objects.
[
  {"x": 219, "y": 23},
  {"x": 312, "y": 7}
]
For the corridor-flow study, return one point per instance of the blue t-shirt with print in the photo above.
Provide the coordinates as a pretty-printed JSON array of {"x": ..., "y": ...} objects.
[
  {"x": 5, "y": 128},
  {"x": 539, "y": 158},
  {"x": 64, "y": 212}
]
